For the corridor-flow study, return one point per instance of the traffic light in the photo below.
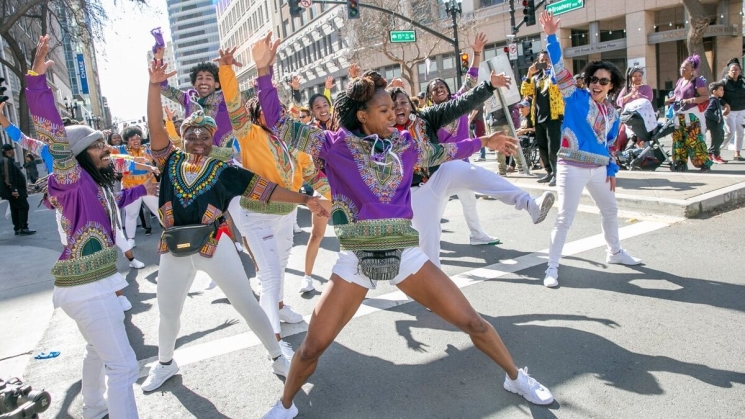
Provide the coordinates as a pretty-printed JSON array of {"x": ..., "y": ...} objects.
[
  {"x": 529, "y": 12},
  {"x": 506, "y": 50},
  {"x": 464, "y": 63},
  {"x": 295, "y": 9},
  {"x": 528, "y": 50},
  {"x": 353, "y": 9}
]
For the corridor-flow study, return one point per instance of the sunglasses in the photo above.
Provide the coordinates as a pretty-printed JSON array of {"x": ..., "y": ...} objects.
[
  {"x": 602, "y": 82},
  {"x": 97, "y": 144}
]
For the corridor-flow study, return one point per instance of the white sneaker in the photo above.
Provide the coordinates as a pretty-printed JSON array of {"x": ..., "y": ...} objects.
[
  {"x": 211, "y": 285},
  {"x": 131, "y": 243},
  {"x": 529, "y": 388},
  {"x": 124, "y": 302},
  {"x": 539, "y": 207},
  {"x": 622, "y": 258},
  {"x": 484, "y": 240},
  {"x": 158, "y": 375},
  {"x": 306, "y": 284},
  {"x": 238, "y": 247},
  {"x": 279, "y": 412},
  {"x": 136, "y": 264},
  {"x": 288, "y": 315},
  {"x": 286, "y": 350},
  {"x": 552, "y": 277},
  {"x": 281, "y": 366},
  {"x": 95, "y": 412},
  {"x": 296, "y": 229}
]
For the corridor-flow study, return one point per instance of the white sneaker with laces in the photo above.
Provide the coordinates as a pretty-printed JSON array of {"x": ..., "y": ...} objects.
[
  {"x": 136, "y": 264},
  {"x": 288, "y": 315},
  {"x": 286, "y": 350},
  {"x": 528, "y": 387},
  {"x": 279, "y": 412},
  {"x": 158, "y": 375},
  {"x": 552, "y": 277},
  {"x": 306, "y": 284},
  {"x": 238, "y": 247},
  {"x": 539, "y": 207},
  {"x": 281, "y": 366},
  {"x": 622, "y": 258},
  {"x": 124, "y": 302},
  {"x": 484, "y": 240},
  {"x": 296, "y": 229}
]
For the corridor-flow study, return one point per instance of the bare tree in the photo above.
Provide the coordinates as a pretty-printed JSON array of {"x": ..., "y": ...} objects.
[
  {"x": 698, "y": 21},
  {"x": 369, "y": 35}
]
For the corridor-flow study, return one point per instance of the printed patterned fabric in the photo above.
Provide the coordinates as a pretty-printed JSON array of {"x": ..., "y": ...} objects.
[
  {"x": 193, "y": 175},
  {"x": 688, "y": 142}
]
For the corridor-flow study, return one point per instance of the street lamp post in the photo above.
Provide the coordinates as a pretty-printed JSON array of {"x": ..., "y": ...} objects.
[
  {"x": 453, "y": 9},
  {"x": 70, "y": 107}
]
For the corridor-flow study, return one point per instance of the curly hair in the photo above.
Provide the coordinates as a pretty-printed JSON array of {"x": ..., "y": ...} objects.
[
  {"x": 395, "y": 91},
  {"x": 616, "y": 78},
  {"x": 204, "y": 66},
  {"x": 130, "y": 132},
  {"x": 356, "y": 97},
  {"x": 431, "y": 86},
  {"x": 695, "y": 61}
]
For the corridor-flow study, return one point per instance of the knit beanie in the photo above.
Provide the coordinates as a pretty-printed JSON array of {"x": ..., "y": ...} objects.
[{"x": 81, "y": 137}]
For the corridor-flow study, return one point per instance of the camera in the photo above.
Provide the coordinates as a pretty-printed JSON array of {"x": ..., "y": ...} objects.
[{"x": 19, "y": 401}]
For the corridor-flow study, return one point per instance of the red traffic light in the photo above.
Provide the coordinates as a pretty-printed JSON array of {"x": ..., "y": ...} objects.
[
  {"x": 525, "y": 3},
  {"x": 506, "y": 50}
]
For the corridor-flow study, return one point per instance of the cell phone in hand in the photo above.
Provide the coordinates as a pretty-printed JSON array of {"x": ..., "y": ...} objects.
[{"x": 540, "y": 66}]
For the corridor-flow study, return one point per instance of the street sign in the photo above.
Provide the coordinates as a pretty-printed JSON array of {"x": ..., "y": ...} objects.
[
  {"x": 513, "y": 51},
  {"x": 402, "y": 36},
  {"x": 564, "y": 6},
  {"x": 306, "y": 3}
]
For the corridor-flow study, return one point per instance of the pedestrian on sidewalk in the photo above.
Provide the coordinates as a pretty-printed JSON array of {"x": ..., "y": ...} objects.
[
  {"x": 13, "y": 189},
  {"x": 692, "y": 93},
  {"x": 370, "y": 165},
  {"x": 31, "y": 170},
  {"x": 589, "y": 129},
  {"x": 715, "y": 114},
  {"x": 86, "y": 278},
  {"x": 734, "y": 98}
]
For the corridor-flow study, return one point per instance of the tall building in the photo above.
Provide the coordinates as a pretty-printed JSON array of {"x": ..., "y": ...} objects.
[
  {"x": 170, "y": 59},
  {"x": 194, "y": 34}
]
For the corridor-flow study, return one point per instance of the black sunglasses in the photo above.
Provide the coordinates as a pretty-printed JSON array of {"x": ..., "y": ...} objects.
[{"x": 602, "y": 82}]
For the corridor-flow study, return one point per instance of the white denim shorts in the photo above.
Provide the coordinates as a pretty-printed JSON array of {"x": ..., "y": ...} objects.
[{"x": 347, "y": 267}]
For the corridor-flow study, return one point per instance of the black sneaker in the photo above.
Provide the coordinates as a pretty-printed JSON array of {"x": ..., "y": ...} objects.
[
  {"x": 546, "y": 178},
  {"x": 148, "y": 231}
]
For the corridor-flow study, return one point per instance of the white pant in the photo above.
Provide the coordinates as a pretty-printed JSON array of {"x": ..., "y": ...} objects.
[
  {"x": 225, "y": 268},
  {"x": 109, "y": 358},
  {"x": 132, "y": 211},
  {"x": 428, "y": 201},
  {"x": 468, "y": 202},
  {"x": 270, "y": 237},
  {"x": 570, "y": 181},
  {"x": 733, "y": 123}
]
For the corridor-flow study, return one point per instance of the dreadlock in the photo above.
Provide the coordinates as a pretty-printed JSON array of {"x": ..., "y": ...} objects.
[
  {"x": 104, "y": 178},
  {"x": 254, "y": 109},
  {"x": 356, "y": 97}
]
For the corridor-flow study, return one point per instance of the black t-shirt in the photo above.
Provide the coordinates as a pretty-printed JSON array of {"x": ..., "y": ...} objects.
[{"x": 542, "y": 103}]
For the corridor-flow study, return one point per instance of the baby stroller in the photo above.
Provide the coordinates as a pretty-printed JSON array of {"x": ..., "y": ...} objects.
[
  {"x": 642, "y": 126},
  {"x": 529, "y": 145}
]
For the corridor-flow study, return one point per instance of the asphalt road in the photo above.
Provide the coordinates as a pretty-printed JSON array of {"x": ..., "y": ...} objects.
[{"x": 660, "y": 340}]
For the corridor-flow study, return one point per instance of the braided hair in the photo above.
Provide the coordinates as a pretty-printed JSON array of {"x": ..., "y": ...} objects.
[
  {"x": 356, "y": 97},
  {"x": 254, "y": 110}
]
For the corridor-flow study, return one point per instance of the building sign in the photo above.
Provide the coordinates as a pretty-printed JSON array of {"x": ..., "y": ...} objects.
[
  {"x": 402, "y": 36},
  {"x": 83, "y": 75},
  {"x": 595, "y": 48},
  {"x": 564, "y": 6},
  {"x": 680, "y": 34}
]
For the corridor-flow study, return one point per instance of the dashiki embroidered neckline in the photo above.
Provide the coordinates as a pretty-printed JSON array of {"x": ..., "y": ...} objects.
[
  {"x": 193, "y": 175},
  {"x": 381, "y": 170}
]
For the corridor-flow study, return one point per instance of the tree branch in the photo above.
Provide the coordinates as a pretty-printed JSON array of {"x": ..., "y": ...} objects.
[{"x": 12, "y": 19}]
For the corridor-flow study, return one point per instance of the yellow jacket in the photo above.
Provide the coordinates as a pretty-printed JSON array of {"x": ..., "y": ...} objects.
[{"x": 528, "y": 88}]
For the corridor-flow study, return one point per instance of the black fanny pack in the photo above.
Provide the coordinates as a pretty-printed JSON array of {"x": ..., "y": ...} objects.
[
  {"x": 379, "y": 265},
  {"x": 187, "y": 240}
]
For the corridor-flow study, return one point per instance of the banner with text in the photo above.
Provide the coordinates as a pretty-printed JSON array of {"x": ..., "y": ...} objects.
[{"x": 82, "y": 74}]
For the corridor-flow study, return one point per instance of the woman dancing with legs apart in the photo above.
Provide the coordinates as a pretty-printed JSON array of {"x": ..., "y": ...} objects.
[
  {"x": 195, "y": 192},
  {"x": 369, "y": 165},
  {"x": 431, "y": 187},
  {"x": 589, "y": 129}
]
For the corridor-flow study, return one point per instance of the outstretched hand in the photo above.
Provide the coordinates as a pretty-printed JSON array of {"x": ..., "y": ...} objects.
[
  {"x": 314, "y": 206},
  {"x": 329, "y": 82},
  {"x": 354, "y": 71},
  {"x": 151, "y": 185},
  {"x": 549, "y": 24},
  {"x": 264, "y": 51},
  {"x": 501, "y": 143},
  {"x": 227, "y": 58},
  {"x": 397, "y": 82},
  {"x": 41, "y": 64},
  {"x": 500, "y": 80},
  {"x": 158, "y": 73},
  {"x": 295, "y": 83},
  {"x": 479, "y": 42},
  {"x": 169, "y": 113}
]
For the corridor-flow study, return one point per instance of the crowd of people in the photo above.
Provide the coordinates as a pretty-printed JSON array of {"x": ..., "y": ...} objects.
[{"x": 377, "y": 163}]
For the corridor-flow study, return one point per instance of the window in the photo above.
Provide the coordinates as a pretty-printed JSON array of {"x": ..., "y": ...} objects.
[
  {"x": 448, "y": 63},
  {"x": 489, "y": 3},
  {"x": 580, "y": 37},
  {"x": 432, "y": 67}
]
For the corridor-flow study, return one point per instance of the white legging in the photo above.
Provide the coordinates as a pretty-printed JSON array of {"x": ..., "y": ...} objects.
[
  {"x": 270, "y": 238},
  {"x": 132, "y": 211},
  {"x": 570, "y": 181},
  {"x": 468, "y": 202},
  {"x": 734, "y": 127},
  {"x": 225, "y": 268},
  {"x": 429, "y": 200}
]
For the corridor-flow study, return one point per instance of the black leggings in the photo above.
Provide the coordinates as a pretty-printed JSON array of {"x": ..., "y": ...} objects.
[{"x": 548, "y": 139}]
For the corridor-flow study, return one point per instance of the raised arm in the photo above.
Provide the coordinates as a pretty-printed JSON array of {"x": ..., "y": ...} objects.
[
  {"x": 158, "y": 135},
  {"x": 240, "y": 121},
  {"x": 33, "y": 145},
  {"x": 264, "y": 52},
  {"x": 562, "y": 77}
]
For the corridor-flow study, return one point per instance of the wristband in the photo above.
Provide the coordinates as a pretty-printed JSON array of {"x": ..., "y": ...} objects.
[{"x": 32, "y": 73}]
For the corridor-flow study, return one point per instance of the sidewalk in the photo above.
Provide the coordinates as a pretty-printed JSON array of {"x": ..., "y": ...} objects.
[{"x": 685, "y": 194}]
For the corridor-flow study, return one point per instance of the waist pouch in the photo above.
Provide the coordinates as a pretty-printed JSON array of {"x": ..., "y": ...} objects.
[
  {"x": 187, "y": 240},
  {"x": 379, "y": 265}
]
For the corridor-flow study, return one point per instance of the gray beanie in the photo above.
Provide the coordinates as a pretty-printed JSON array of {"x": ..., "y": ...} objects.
[{"x": 81, "y": 137}]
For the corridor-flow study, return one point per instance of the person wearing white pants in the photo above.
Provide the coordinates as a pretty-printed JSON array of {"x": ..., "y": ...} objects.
[
  {"x": 477, "y": 235},
  {"x": 734, "y": 97},
  {"x": 429, "y": 200},
  {"x": 589, "y": 129},
  {"x": 132, "y": 211}
]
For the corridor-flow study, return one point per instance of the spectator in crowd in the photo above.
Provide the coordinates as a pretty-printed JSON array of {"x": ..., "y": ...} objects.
[{"x": 13, "y": 188}]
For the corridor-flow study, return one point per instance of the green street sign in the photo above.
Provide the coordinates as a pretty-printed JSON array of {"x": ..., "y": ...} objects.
[
  {"x": 402, "y": 36},
  {"x": 564, "y": 6}
]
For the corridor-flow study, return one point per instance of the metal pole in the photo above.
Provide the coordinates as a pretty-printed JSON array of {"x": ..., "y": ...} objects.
[{"x": 459, "y": 69}]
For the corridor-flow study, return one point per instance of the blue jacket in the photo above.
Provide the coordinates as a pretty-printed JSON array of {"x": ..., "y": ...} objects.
[
  {"x": 587, "y": 133},
  {"x": 15, "y": 134}
]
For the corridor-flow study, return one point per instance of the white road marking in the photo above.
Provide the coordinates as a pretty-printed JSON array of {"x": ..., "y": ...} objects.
[{"x": 207, "y": 350}]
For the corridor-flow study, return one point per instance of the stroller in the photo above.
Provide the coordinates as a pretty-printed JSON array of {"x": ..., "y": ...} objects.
[{"x": 642, "y": 126}]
